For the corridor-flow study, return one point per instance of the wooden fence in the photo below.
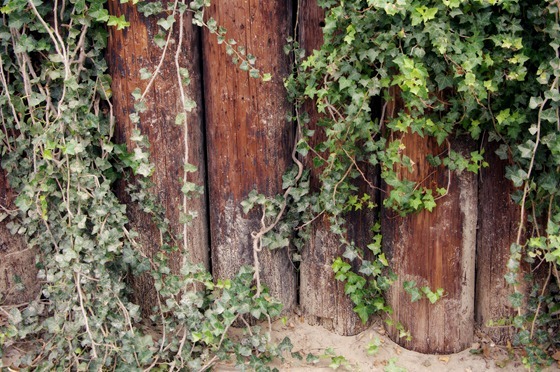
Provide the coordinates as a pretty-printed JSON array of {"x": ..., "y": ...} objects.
[{"x": 240, "y": 140}]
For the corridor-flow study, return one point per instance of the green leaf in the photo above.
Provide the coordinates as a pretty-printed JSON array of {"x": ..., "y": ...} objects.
[
  {"x": 312, "y": 359},
  {"x": 166, "y": 23},
  {"x": 119, "y": 22},
  {"x": 254, "y": 73},
  {"x": 189, "y": 168},
  {"x": 429, "y": 202},
  {"x": 180, "y": 118},
  {"x": 145, "y": 74},
  {"x": 244, "y": 66}
]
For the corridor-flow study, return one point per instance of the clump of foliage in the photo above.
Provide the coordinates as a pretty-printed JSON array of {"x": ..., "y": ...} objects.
[
  {"x": 489, "y": 69},
  {"x": 486, "y": 69},
  {"x": 59, "y": 156}
]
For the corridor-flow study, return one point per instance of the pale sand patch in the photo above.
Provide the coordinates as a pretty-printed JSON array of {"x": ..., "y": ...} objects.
[{"x": 316, "y": 340}]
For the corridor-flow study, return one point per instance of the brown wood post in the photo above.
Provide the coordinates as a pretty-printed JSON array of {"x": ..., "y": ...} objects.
[
  {"x": 249, "y": 140},
  {"x": 322, "y": 298},
  {"x": 18, "y": 273},
  {"x": 129, "y": 50},
  {"x": 434, "y": 249},
  {"x": 498, "y": 222}
]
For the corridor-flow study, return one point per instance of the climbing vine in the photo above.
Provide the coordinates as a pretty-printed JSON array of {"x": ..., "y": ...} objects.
[
  {"x": 486, "y": 69},
  {"x": 60, "y": 159}
]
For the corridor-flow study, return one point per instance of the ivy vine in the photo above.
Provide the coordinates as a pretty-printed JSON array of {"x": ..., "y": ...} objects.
[
  {"x": 486, "y": 68},
  {"x": 483, "y": 68},
  {"x": 60, "y": 158}
]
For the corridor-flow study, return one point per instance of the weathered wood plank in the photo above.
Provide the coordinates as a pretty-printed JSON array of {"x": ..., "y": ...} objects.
[
  {"x": 322, "y": 298},
  {"x": 249, "y": 140},
  {"x": 434, "y": 249},
  {"x": 498, "y": 222},
  {"x": 130, "y": 50}
]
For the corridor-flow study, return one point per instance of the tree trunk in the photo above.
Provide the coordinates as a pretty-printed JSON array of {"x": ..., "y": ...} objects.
[
  {"x": 434, "y": 249},
  {"x": 248, "y": 137},
  {"x": 172, "y": 145},
  {"x": 322, "y": 298},
  {"x": 18, "y": 273},
  {"x": 498, "y": 222}
]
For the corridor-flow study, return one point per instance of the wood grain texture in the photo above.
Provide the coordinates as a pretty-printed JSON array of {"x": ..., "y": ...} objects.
[
  {"x": 18, "y": 273},
  {"x": 129, "y": 50},
  {"x": 498, "y": 222},
  {"x": 435, "y": 249},
  {"x": 322, "y": 298},
  {"x": 248, "y": 137}
]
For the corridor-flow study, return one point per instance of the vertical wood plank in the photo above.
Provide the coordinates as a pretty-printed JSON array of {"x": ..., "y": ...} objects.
[
  {"x": 498, "y": 222},
  {"x": 322, "y": 298},
  {"x": 129, "y": 50},
  {"x": 249, "y": 140},
  {"x": 434, "y": 249}
]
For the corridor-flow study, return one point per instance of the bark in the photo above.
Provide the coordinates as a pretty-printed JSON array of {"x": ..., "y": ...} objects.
[
  {"x": 322, "y": 298},
  {"x": 498, "y": 222},
  {"x": 248, "y": 137},
  {"x": 129, "y": 50},
  {"x": 18, "y": 273}
]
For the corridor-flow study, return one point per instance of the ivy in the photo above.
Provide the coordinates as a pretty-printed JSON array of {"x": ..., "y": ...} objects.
[
  {"x": 58, "y": 153},
  {"x": 488, "y": 69},
  {"x": 479, "y": 68}
]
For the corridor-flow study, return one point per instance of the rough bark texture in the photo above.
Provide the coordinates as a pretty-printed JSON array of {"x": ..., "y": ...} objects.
[
  {"x": 130, "y": 50},
  {"x": 322, "y": 298},
  {"x": 498, "y": 222},
  {"x": 18, "y": 274},
  {"x": 248, "y": 137},
  {"x": 434, "y": 249}
]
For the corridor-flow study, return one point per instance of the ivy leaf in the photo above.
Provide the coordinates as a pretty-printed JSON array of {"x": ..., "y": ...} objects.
[
  {"x": 350, "y": 34},
  {"x": 145, "y": 74},
  {"x": 145, "y": 169},
  {"x": 516, "y": 299},
  {"x": 363, "y": 312},
  {"x": 190, "y": 168},
  {"x": 180, "y": 118},
  {"x": 188, "y": 187},
  {"x": 340, "y": 266},
  {"x": 429, "y": 202},
  {"x": 120, "y": 22},
  {"x": 416, "y": 203},
  {"x": 244, "y": 66},
  {"x": 350, "y": 253},
  {"x": 411, "y": 288},
  {"x": 312, "y": 359},
  {"x": 166, "y": 23},
  {"x": 254, "y": 73}
]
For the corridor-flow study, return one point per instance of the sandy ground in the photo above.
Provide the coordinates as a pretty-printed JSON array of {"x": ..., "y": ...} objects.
[{"x": 389, "y": 356}]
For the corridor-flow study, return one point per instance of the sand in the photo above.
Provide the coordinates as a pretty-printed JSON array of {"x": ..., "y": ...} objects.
[{"x": 482, "y": 356}]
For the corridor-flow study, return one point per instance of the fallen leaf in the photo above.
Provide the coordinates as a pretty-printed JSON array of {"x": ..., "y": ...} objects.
[
  {"x": 556, "y": 356},
  {"x": 444, "y": 359}
]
